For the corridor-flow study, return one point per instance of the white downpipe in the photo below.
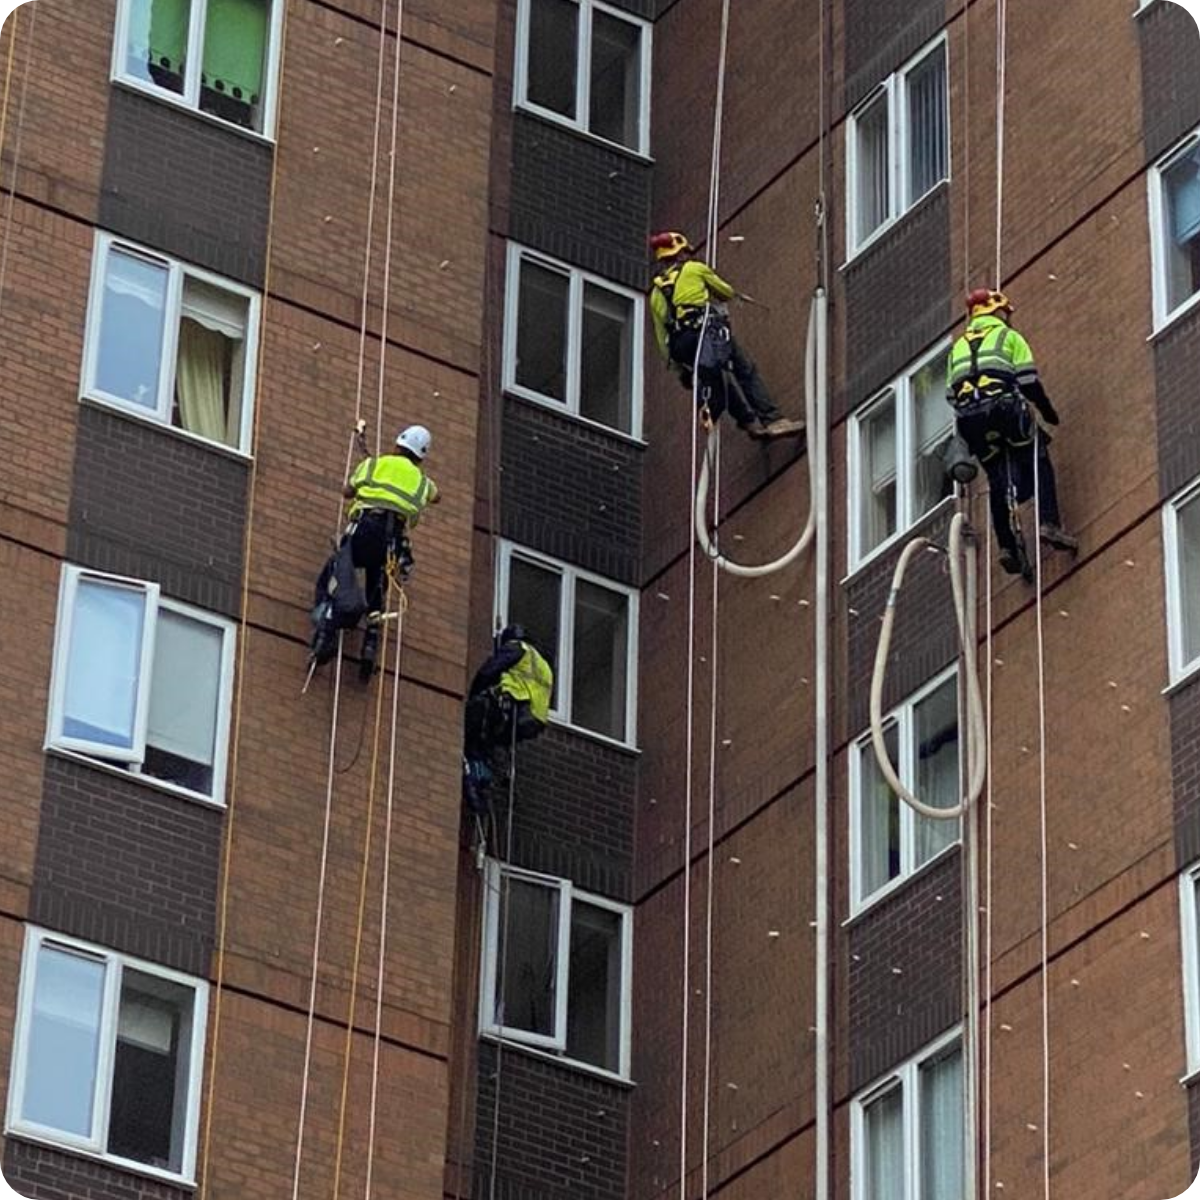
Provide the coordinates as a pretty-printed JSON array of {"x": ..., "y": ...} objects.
[
  {"x": 700, "y": 516},
  {"x": 977, "y": 731},
  {"x": 818, "y": 407}
]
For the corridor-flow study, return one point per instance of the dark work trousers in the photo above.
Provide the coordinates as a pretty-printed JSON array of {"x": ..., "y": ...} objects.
[
  {"x": 1016, "y": 463},
  {"x": 748, "y": 402},
  {"x": 376, "y": 531}
]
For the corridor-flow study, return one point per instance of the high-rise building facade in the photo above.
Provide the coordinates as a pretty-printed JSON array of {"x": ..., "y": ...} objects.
[{"x": 249, "y": 939}]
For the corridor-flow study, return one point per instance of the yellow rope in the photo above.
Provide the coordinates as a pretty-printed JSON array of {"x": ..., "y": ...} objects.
[{"x": 240, "y": 688}]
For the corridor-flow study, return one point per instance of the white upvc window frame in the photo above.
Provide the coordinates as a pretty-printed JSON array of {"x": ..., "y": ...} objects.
[
  {"x": 177, "y": 274},
  {"x": 895, "y": 89},
  {"x": 1179, "y": 665},
  {"x": 577, "y": 281},
  {"x": 568, "y": 893},
  {"x": 103, "y": 755},
  {"x": 1189, "y": 913},
  {"x": 907, "y": 1078},
  {"x": 1163, "y": 313},
  {"x": 562, "y": 655},
  {"x": 902, "y": 717},
  {"x": 583, "y": 73},
  {"x": 907, "y": 447},
  {"x": 115, "y": 963},
  {"x": 190, "y": 98}
]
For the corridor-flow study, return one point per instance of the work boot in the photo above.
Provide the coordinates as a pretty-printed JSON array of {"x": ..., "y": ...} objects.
[
  {"x": 370, "y": 651},
  {"x": 1010, "y": 561},
  {"x": 783, "y": 427},
  {"x": 1058, "y": 538}
]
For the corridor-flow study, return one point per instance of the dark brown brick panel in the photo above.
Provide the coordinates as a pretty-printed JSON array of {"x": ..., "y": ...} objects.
[
  {"x": 897, "y": 299},
  {"x": 1170, "y": 74},
  {"x": 45, "y": 1174},
  {"x": 880, "y": 35},
  {"x": 187, "y": 186},
  {"x": 905, "y": 971},
  {"x": 153, "y": 505},
  {"x": 126, "y": 866},
  {"x": 1193, "y": 1102},
  {"x": 571, "y": 490},
  {"x": 579, "y": 200},
  {"x": 1185, "y": 771},
  {"x": 1176, "y": 368},
  {"x": 563, "y": 1133},
  {"x": 574, "y": 808},
  {"x": 924, "y": 636}
]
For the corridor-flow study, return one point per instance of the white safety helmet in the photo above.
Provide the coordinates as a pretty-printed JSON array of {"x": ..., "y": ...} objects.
[{"x": 415, "y": 439}]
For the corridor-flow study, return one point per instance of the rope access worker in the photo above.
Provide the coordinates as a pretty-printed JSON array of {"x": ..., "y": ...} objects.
[
  {"x": 387, "y": 495},
  {"x": 991, "y": 380},
  {"x": 509, "y": 698},
  {"x": 684, "y": 290}
]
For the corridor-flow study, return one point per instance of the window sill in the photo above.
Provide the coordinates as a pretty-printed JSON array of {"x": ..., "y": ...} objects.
[
  {"x": 118, "y": 1164},
  {"x": 876, "y": 236},
  {"x": 173, "y": 430},
  {"x": 1167, "y": 323},
  {"x": 592, "y": 736},
  {"x": 177, "y": 102},
  {"x": 569, "y": 1064},
  {"x": 148, "y": 781},
  {"x": 515, "y": 392},
  {"x": 877, "y": 552},
  {"x": 1186, "y": 677},
  {"x": 552, "y": 118},
  {"x": 863, "y": 907}
]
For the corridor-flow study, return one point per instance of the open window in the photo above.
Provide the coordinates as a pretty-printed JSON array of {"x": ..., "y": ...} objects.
[
  {"x": 1181, "y": 550},
  {"x": 556, "y": 969},
  {"x": 219, "y": 57},
  {"x": 171, "y": 343},
  {"x": 1174, "y": 185},
  {"x": 141, "y": 683},
  {"x": 108, "y": 1055}
]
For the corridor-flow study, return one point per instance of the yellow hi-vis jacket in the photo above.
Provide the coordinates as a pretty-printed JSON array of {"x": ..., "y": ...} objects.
[
  {"x": 530, "y": 678},
  {"x": 681, "y": 288},
  {"x": 1002, "y": 362},
  {"x": 391, "y": 482}
]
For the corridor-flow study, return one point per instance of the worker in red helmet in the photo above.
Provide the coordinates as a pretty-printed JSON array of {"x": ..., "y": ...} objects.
[
  {"x": 686, "y": 302},
  {"x": 991, "y": 380}
]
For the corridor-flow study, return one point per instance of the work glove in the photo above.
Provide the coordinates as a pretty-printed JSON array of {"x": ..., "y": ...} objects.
[{"x": 1049, "y": 414}]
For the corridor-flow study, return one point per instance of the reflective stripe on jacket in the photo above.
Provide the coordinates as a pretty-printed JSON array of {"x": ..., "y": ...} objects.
[
  {"x": 391, "y": 482},
  {"x": 530, "y": 678},
  {"x": 680, "y": 288},
  {"x": 989, "y": 359}
]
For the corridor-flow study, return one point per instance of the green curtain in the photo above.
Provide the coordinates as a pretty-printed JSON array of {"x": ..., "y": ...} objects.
[
  {"x": 235, "y": 43},
  {"x": 168, "y": 33}
]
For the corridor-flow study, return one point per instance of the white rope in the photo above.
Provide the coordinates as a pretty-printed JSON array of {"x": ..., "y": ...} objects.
[
  {"x": 977, "y": 762},
  {"x": 1001, "y": 80},
  {"x": 987, "y": 953},
  {"x": 316, "y": 954},
  {"x": 383, "y": 887}
]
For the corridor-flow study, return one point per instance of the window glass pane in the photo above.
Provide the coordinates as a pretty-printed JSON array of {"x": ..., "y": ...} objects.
[
  {"x": 927, "y": 122},
  {"x": 941, "y": 1123},
  {"x": 542, "y": 330},
  {"x": 883, "y": 1131},
  {"x": 877, "y": 450},
  {"x": 616, "y": 79},
  {"x": 534, "y": 597},
  {"x": 553, "y": 50},
  {"x": 879, "y": 819},
  {"x": 600, "y": 659},
  {"x": 934, "y": 426},
  {"x": 129, "y": 358},
  {"x": 150, "y": 1071},
  {"x": 156, "y": 42},
  {"x": 594, "y": 988},
  {"x": 1181, "y": 193},
  {"x": 606, "y": 366},
  {"x": 935, "y": 721},
  {"x": 210, "y": 373},
  {"x": 872, "y": 195},
  {"x": 1189, "y": 577},
  {"x": 104, "y": 663},
  {"x": 235, "y": 52},
  {"x": 63, "y": 1042},
  {"x": 185, "y": 688},
  {"x": 527, "y": 958}
]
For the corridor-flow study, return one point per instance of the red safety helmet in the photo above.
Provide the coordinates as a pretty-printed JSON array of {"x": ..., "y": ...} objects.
[
  {"x": 669, "y": 244},
  {"x": 984, "y": 301}
]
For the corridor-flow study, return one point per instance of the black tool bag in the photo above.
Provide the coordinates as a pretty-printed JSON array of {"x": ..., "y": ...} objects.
[{"x": 338, "y": 602}]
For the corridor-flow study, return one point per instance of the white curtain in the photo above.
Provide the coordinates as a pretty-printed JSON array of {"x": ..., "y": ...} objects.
[
  {"x": 878, "y": 444},
  {"x": 883, "y": 1122},
  {"x": 1189, "y": 576},
  {"x": 879, "y": 819},
  {"x": 871, "y": 162},
  {"x": 942, "y": 1128},
  {"x": 936, "y": 721}
]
